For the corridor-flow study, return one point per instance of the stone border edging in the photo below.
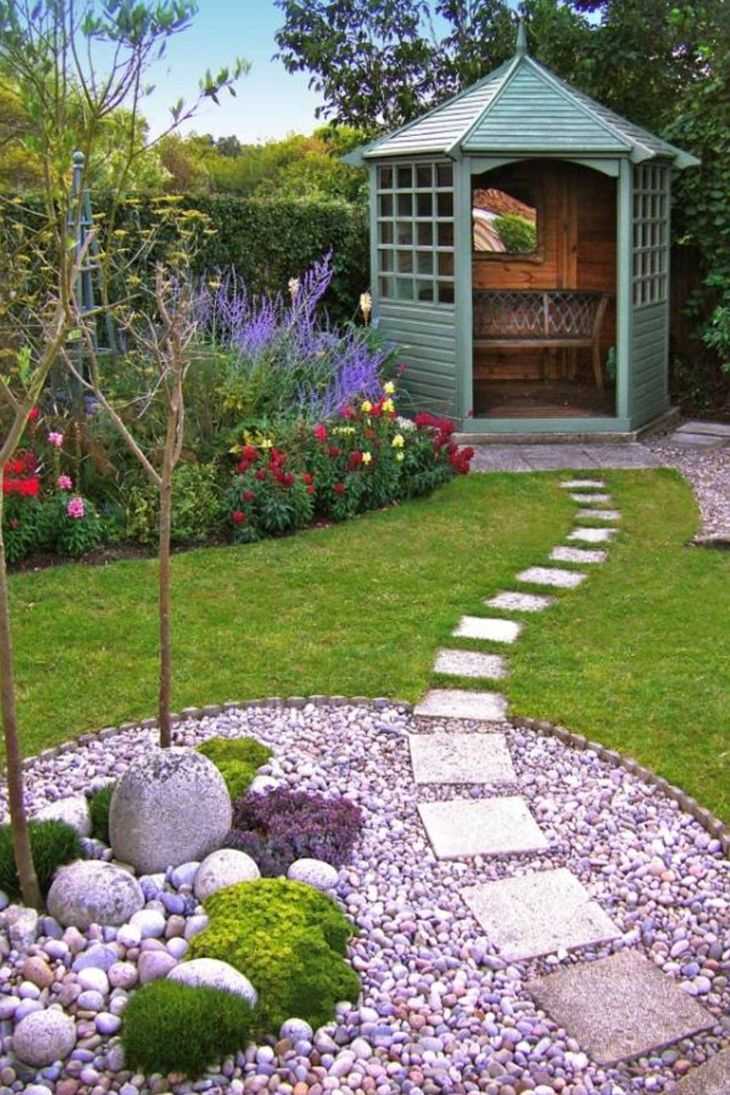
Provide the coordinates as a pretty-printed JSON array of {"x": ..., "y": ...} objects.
[{"x": 689, "y": 805}]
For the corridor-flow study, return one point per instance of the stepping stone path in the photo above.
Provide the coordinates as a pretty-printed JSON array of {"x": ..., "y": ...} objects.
[{"x": 614, "y": 1008}]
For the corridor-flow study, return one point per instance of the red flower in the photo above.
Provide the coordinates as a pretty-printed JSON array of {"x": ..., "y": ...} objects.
[
  {"x": 320, "y": 432},
  {"x": 370, "y": 434},
  {"x": 277, "y": 458},
  {"x": 340, "y": 488},
  {"x": 248, "y": 496},
  {"x": 285, "y": 478},
  {"x": 33, "y": 414},
  {"x": 238, "y": 517},
  {"x": 250, "y": 453},
  {"x": 261, "y": 474},
  {"x": 307, "y": 477},
  {"x": 377, "y": 410},
  {"x": 355, "y": 459},
  {"x": 242, "y": 466},
  {"x": 311, "y": 488},
  {"x": 347, "y": 412},
  {"x": 334, "y": 451}
]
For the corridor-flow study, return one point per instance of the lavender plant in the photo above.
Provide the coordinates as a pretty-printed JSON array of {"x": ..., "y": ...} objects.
[{"x": 282, "y": 356}]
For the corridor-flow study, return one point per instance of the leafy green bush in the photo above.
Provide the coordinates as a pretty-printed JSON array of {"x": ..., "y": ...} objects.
[
  {"x": 289, "y": 940},
  {"x": 169, "y": 1027},
  {"x": 237, "y": 760},
  {"x": 517, "y": 233},
  {"x": 197, "y": 508},
  {"x": 99, "y": 804},
  {"x": 53, "y": 843}
]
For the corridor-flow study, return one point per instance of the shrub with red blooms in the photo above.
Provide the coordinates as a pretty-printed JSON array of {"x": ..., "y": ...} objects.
[{"x": 283, "y": 825}]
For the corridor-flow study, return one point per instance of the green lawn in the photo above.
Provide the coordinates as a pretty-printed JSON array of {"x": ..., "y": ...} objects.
[{"x": 635, "y": 658}]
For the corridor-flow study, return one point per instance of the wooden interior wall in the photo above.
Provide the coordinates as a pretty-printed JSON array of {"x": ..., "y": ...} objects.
[{"x": 577, "y": 250}]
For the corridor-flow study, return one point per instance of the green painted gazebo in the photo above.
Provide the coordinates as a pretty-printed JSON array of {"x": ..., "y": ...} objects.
[{"x": 520, "y": 237}]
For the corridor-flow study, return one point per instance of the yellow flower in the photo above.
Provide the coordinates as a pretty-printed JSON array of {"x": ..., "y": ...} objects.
[
  {"x": 389, "y": 387},
  {"x": 400, "y": 456},
  {"x": 366, "y": 406},
  {"x": 398, "y": 441},
  {"x": 367, "y": 457},
  {"x": 388, "y": 406},
  {"x": 366, "y": 305},
  {"x": 343, "y": 429}
]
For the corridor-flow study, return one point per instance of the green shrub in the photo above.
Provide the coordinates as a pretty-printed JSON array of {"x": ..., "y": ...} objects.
[
  {"x": 518, "y": 234},
  {"x": 99, "y": 804},
  {"x": 237, "y": 760},
  {"x": 170, "y": 1027},
  {"x": 53, "y": 843},
  {"x": 197, "y": 508},
  {"x": 289, "y": 940}
]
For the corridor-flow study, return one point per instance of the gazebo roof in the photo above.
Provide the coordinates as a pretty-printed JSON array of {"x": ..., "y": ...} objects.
[{"x": 522, "y": 107}]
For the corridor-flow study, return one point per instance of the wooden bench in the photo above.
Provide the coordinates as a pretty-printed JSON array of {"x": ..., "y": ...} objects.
[{"x": 554, "y": 319}]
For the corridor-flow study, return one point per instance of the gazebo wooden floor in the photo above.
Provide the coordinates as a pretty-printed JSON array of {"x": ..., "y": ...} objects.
[{"x": 541, "y": 399}]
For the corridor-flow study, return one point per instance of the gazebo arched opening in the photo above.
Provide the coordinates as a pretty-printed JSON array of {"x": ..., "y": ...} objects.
[{"x": 544, "y": 290}]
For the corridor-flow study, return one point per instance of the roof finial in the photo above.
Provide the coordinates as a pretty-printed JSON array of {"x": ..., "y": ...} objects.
[{"x": 521, "y": 38}]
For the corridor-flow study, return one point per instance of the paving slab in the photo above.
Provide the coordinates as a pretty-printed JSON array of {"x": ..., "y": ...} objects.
[
  {"x": 619, "y": 1007},
  {"x": 582, "y": 484},
  {"x": 539, "y": 914},
  {"x": 577, "y": 555},
  {"x": 520, "y": 602},
  {"x": 598, "y": 514},
  {"x": 552, "y": 576},
  {"x": 591, "y": 499},
  {"x": 461, "y": 758},
  {"x": 468, "y": 663},
  {"x": 552, "y": 457},
  {"x": 499, "y": 458},
  {"x": 592, "y": 535},
  {"x": 493, "y": 826},
  {"x": 698, "y": 440},
  {"x": 625, "y": 456},
  {"x": 458, "y": 703},
  {"x": 717, "y": 429},
  {"x": 488, "y": 628},
  {"x": 712, "y": 1078}
]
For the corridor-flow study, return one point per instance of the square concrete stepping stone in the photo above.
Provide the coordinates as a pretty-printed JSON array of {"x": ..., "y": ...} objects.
[
  {"x": 494, "y": 826},
  {"x": 593, "y": 535},
  {"x": 552, "y": 576},
  {"x": 485, "y": 627},
  {"x": 712, "y": 1078},
  {"x": 457, "y": 703},
  {"x": 468, "y": 663},
  {"x": 582, "y": 484},
  {"x": 619, "y": 1007},
  {"x": 598, "y": 514},
  {"x": 591, "y": 499},
  {"x": 577, "y": 555},
  {"x": 538, "y": 914},
  {"x": 520, "y": 602},
  {"x": 719, "y": 429},
  {"x": 461, "y": 758}
]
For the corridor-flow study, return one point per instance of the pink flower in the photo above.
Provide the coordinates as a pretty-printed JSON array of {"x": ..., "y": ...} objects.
[
  {"x": 75, "y": 507},
  {"x": 55, "y": 439},
  {"x": 64, "y": 482}
]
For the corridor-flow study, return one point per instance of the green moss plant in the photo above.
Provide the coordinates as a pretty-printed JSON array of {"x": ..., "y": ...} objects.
[
  {"x": 53, "y": 843},
  {"x": 169, "y": 1027},
  {"x": 289, "y": 940},
  {"x": 99, "y": 804},
  {"x": 237, "y": 760}
]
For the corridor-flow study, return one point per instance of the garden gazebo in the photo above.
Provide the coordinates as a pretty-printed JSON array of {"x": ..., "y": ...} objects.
[{"x": 520, "y": 239}]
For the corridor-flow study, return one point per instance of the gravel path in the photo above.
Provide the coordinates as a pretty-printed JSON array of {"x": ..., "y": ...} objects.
[
  {"x": 441, "y": 1010},
  {"x": 708, "y": 470}
]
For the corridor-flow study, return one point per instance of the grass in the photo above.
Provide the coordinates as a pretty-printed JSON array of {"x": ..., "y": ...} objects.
[{"x": 635, "y": 658}]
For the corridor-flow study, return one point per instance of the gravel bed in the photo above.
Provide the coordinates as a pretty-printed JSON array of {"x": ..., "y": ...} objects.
[
  {"x": 441, "y": 1011},
  {"x": 708, "y": 470}
]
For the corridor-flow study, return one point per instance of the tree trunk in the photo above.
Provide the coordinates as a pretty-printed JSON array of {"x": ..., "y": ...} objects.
[
  {"x": 165, "y": 604},
  {"x": 29, "y": 888}
]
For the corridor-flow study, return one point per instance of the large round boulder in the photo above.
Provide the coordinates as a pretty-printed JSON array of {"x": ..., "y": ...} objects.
[
  {"x": 171, "y": 807},
  {"x": 213, "y": 974},
  {"x": 43, "y": 1037},
  {"x": 223, "y": 868},
  {"x": 91, "y": 891},
  {"x": 74, "y": 810}
]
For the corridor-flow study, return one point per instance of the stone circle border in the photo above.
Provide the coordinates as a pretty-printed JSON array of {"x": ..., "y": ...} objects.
[{"x": 689, "y": 805}]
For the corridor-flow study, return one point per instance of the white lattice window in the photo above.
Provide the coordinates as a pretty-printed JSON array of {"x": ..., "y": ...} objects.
[
  {"x": 415, "y": 232},
  {"x": 651, "y": 235}
]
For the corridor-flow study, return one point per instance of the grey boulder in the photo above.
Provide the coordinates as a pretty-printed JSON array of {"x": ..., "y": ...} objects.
[
  {"x": 214, "y": 974},
  {"x": 43, "y": 1037},
  {"x": 223, "y": 868},
  {"x": 169, "y": 808},
  {"x": 74, "y": 810},
  {"x": 91, "y": 891},
  {"x": 315, "y": 872}
]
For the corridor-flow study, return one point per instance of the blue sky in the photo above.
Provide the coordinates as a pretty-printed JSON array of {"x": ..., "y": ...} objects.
[{"x": 270, "y": 102}]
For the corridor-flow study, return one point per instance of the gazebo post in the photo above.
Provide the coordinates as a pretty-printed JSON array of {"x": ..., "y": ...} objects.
[
  {"x": 463, "y": 283},
  {"x": 624, "y": 287}
]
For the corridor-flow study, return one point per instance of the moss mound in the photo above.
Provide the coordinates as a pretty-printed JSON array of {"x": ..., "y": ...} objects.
[
  {"x": 53, "y": 843},
  {"x": 169, "y": 1027},
  {"x": 289, "y": 940},
  {"x": 237, "y": 760},
  {"x": 99, "y": 804}
]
